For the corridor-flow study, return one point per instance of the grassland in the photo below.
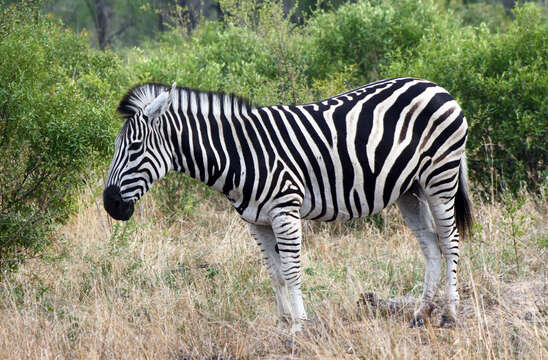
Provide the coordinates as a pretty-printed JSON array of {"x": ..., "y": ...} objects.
[{"x": 193, "y": 287}]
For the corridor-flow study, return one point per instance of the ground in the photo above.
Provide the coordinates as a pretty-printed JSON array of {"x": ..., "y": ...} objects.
[{"x": 190, "y": 285}]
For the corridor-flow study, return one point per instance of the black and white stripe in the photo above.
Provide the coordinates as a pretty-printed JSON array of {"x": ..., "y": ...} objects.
[{"x": 397, "y": 140}]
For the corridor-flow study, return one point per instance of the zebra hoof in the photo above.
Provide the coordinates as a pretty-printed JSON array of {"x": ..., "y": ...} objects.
[
  {"x": 447, "y": 322},
  {"x": 296, "y": 328},
  {"x": 283, "y": 323},
  {"x": 416, "y": 322}
]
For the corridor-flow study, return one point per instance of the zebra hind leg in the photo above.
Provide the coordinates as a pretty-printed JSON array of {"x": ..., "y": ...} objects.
[
  {"x": 416, "y": 213},
  {"x": 442, "y": 205},
  {"x": 264, "y": 236}
]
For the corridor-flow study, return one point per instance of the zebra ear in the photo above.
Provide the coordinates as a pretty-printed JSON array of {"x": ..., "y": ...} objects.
[{"x": 160, "y": 104}]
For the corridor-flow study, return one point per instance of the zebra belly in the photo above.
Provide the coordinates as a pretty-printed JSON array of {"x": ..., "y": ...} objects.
[
  {"x": 337, "y": 211},
  {"x": 337, "y": 202}
]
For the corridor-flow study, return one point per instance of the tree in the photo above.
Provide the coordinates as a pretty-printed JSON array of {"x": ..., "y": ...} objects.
[{"x": 102, "y": 14}]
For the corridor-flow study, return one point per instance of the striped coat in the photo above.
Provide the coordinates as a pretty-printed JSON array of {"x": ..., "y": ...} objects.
[{"x": 397, "y": 140}]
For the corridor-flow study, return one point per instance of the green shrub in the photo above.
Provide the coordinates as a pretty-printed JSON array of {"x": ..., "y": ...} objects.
[
  {"x": 475, "y": 13},
  {"x": 178, "y": 195},
  {"x": 360, "y": 35},
  {"x": 501, "y": 81},
  {"x": 56, "y": 121},
  {"x": 214, "y": 57},
  {"x": 262, "y": 63},
  {"x": 258, "y": 53}
]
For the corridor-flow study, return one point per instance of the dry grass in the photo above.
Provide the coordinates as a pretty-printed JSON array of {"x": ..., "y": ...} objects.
[{"x": 193, "y": 287}]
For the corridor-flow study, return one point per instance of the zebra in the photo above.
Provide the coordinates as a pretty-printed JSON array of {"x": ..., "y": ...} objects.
[{"x": 399, "y": 140}]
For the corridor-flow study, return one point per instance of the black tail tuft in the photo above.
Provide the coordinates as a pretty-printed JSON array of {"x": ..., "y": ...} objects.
[{"x": 463, "y": 206}]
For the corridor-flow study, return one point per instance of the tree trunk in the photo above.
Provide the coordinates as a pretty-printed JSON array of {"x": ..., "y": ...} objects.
[
  {"x": 508, "y": 5},
  {"x": 101, "y": 13}
]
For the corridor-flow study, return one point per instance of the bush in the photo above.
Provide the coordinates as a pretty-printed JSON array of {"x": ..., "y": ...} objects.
[
  {"x": 56, "y": 121},
  {"x": 177, "y": 196},
  {"x": 501, "y": 81},
  {"x": 212, "y": 58},
  {"x": 360, "y": 34},
  {"x": 258, "y": 53},
  {"x": 260, "y": 61}
]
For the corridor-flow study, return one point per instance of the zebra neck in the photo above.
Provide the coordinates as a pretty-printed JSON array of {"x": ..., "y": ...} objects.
[{"x": 207, "y": 144}]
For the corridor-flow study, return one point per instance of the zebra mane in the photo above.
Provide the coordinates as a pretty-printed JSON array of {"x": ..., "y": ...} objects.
[{"x": 141, "y": 95}]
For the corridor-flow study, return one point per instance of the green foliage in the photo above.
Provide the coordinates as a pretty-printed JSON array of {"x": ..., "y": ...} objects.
[
  {"x": 361, "y": 34},
  {"x": 213, "y": 58},
  {"x": 121, "y": 234},
  {"x": 475, "y": 13},
  {"x": 125, "y": 23},
  {"x": 178, "y": 195},
  {"x": 501, "y": 81},
  {"x": 542, "y": 241},
  {"x": 515, "y": 222},
  {"x": 56, "y": 120},
  {"x": 260, "y": 60},
  {"x": 260, "y": 54}
]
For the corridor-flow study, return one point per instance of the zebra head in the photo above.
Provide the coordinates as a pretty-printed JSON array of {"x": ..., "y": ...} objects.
[{"x": 142, "y": 154}]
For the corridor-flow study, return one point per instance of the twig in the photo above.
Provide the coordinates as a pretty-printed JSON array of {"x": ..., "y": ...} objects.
[{"x": 107, "y": 236}]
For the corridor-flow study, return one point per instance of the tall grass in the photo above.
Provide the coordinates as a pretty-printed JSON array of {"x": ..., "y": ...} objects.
[{"x": 193, "y": 287}]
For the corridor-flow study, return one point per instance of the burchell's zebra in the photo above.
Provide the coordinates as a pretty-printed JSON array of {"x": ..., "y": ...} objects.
[{"x": 397, "y": 140}]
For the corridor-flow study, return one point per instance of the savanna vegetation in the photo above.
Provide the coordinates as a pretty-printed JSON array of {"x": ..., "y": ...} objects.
[{"x": 183, "y": 278}]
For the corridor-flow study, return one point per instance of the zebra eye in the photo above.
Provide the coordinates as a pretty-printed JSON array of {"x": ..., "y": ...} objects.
[{"x": 135, "y": 146}]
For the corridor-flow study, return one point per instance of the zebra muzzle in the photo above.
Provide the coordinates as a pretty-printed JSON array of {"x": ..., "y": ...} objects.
[{"x": 115, "y": 206}]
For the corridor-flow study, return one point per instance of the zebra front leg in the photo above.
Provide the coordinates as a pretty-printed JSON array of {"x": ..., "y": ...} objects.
[
  {"x": 287, "y": 229},
  {"x": 264, "y": 236}
]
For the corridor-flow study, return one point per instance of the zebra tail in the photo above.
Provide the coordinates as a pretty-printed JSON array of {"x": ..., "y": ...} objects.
[{"x": 463, "y": 206}]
